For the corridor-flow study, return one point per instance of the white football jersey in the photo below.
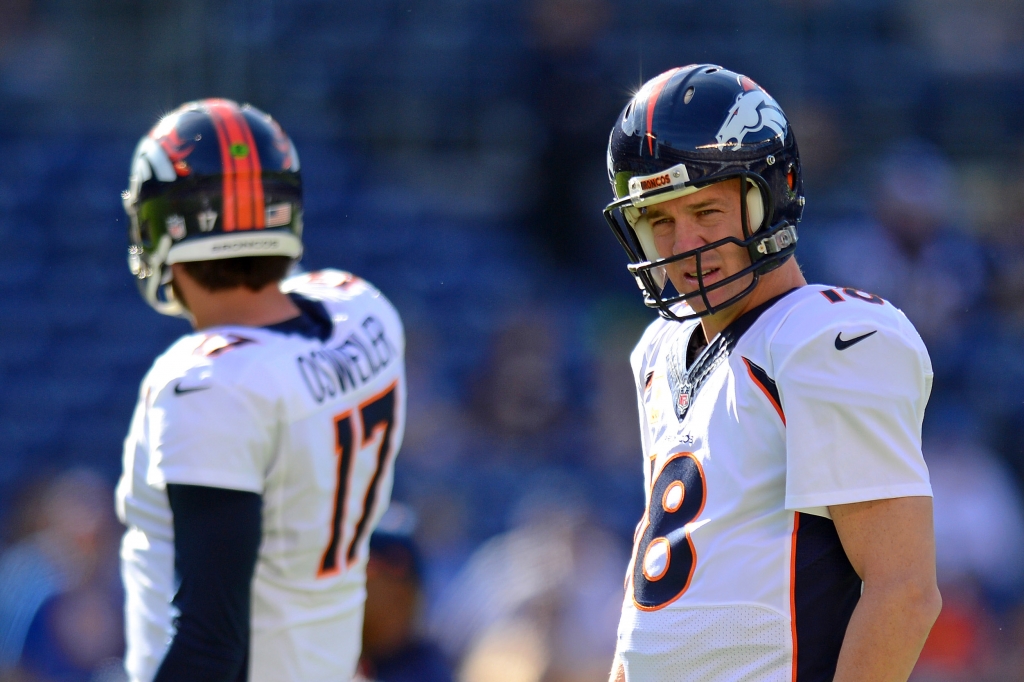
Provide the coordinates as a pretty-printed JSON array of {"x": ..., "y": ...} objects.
[
  {"x": 313, "y": 427},
  {"x": 813, "y": 399}
]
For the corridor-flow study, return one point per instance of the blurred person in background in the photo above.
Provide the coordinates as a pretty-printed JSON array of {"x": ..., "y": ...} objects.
[
  {"x": 912, "y": 252},
  {"x": 995, "y": 367},
  {"x": 979, "y": 542},
  {"x": 394, "y": 648},
  {"x": 520, "y": 395},
  {"x": 538, "y": 602},
  {"x": 60, "y": 595},
  {"x": 515, "y": 423},
  {"x": 260, "y": 455},
  {"x": 523, "y": 419},
  {"x": 567, "y": 72},
  {"x": 788, "y": 531}
]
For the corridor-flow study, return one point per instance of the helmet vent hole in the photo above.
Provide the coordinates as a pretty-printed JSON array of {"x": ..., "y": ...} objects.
[
  {"x": 689, "y": 95},
  {"x": 629, "y": 111},
  {"x": 711, "y": 70}
]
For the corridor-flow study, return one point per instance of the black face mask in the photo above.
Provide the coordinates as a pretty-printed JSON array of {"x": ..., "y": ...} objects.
[{"x": 769, "y": 246}]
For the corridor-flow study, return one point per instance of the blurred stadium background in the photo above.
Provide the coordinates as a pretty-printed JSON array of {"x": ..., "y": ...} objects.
[{"x": 453, "y": 154}]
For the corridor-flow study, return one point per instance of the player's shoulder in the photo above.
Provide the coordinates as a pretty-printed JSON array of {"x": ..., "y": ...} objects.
[
  {"x": 818, "y": 308},
  {"x": 842, "y": 316},
  {"x": 332, "y": 287},
  {"x": 345, "y": 296},
  {"x": 203, "y": 359},
  {"x": 328, "y": 284}
]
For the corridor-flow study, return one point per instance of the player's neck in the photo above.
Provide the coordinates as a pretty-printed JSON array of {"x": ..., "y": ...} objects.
[
  {"x": 240, "y": 307},
  {"x": 777, "y": 282}
]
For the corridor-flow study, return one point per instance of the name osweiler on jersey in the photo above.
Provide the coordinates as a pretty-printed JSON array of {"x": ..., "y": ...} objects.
[
  {"x": 814, "y": 399},
  {"x": 313, "y": 427}
]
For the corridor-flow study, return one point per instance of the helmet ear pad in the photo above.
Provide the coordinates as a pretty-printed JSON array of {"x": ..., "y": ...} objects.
[
  {"x": 645, "y": 237},
  {"x": 755, "y": 207},
  {"x": 637, "y": 219}
]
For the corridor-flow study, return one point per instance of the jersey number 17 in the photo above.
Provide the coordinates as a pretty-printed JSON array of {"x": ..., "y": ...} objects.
[{"x": 377, "y": 416}]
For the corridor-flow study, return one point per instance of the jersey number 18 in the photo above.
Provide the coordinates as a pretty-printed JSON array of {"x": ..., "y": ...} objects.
[{"x": 665, "y": 558}]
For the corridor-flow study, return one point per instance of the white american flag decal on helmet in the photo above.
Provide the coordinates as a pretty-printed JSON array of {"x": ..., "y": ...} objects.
[{"x": 278, "y": 215}]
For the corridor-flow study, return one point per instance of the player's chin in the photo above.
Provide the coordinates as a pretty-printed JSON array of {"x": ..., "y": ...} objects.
[{"x": 717, "y": 294}]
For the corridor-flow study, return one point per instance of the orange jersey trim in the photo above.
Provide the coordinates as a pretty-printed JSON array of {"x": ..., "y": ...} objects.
[
  {"x": 764, "y": 389},
  {"x": 792, "y": 589}
]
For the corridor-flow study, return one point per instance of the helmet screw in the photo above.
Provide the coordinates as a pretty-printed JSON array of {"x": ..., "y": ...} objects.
[
  {"x": 801, "y": 201},
  {"x": 771, "y": 159}
]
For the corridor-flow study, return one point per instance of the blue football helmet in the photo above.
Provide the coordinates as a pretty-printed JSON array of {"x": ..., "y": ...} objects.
[
  {"x": 688, "y": 128},
  {"x": 211, "y": 180}
]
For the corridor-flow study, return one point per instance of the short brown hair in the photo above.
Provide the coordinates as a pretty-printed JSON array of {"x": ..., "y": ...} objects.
[{"x": 251, "y": 272}]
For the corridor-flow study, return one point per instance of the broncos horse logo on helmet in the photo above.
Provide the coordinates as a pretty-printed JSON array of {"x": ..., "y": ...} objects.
[
  {"x": 684, "y": 130},
  {"x": 754, "y": 110}
]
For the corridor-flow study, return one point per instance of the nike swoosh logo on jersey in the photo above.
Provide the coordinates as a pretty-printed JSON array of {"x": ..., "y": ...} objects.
[
  {"x": 843, "y": 344},
  {"x": 178, "y": 390}
]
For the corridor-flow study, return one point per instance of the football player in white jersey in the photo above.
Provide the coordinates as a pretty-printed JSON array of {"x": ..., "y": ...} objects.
[
  {"x": 261, "y": 451},
  {"x": 788, "y": 530}
]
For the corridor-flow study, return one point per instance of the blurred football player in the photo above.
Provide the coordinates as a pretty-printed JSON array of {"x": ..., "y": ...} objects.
[
  {"x": 788, "y": 530},
  {"x": 394, "y": 648},
  {"x": 260, "y": 454}
]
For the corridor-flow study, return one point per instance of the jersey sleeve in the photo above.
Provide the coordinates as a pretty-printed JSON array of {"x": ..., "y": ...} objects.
[
  {"x": 210, "y": 432},
  {"x": 216, "y": 542},
  {"x": 853, "y": 415}
]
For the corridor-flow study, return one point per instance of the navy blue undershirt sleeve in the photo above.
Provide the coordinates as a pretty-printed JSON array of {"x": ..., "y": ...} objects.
[{"x": 216, "y": 540}]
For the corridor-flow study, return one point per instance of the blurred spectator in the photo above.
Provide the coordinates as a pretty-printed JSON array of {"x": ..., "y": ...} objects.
[
  {"x": 1010, "y": 667},
  {"x": 60, "y": 599},
  {"x": 910, "y": 253},
  {"x": 437, "y": 425},
  {"x": 529, "y": 419},
  {"x": 540, "y": 602},
  {"x": 996, "y": 365},
  {"x": 824, "y": 153},
  {"x": 515, "y": 423},
  {"x": 968, "y": 35},
  {"x": 616, "y": 326},
  {"x": 33, "y": 63},
  {"x": 567, "y": 85},
  {"x": 979, "y": 537},
  {"x": 979, "y": 520},
  {"x": 962, "y": 644},
  {"x": 394, "y": 650},
  {"x": 521, "y": 391}
]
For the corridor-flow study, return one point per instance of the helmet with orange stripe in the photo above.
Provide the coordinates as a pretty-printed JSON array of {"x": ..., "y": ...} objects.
[
  {"x": 685, "y": 130},
  {"x": 211, "y": 180}
]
